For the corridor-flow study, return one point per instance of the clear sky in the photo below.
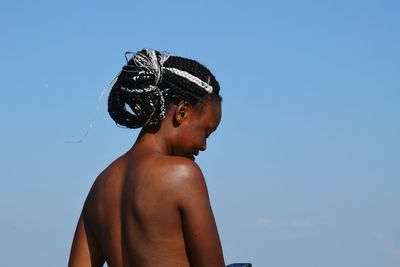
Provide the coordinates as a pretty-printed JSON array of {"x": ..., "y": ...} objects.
[{"x": 304, "y": 169}]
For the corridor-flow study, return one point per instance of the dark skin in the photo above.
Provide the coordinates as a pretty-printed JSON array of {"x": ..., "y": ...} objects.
[{"x": 150, "y": 207}]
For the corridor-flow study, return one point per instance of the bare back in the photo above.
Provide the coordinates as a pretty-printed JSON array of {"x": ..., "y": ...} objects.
[{"x": 148, "y": 209}]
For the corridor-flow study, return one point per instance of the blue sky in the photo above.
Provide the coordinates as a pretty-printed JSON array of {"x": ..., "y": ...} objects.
[{"x": 304, "y": 169}]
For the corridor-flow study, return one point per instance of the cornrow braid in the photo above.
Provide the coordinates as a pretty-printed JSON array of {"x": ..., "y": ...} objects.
[{"x": 151, "y": 80}]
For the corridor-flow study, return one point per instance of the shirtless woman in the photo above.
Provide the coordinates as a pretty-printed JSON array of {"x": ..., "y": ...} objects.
[{"x": 150, "y": 207}]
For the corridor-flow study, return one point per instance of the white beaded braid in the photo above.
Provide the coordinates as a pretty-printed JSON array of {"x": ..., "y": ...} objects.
[
  {"x": 151, "y": 64},
  {"x": 184, "y": 74}
]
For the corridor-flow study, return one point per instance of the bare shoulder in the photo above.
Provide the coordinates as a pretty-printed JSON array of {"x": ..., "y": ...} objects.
[
  {"x": 182, "y": 174},
  {"x": 181, "y": 167}
]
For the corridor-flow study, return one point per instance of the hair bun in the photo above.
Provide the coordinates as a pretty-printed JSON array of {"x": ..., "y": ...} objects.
[
  {"x": 135, "y": 99},
  {"x": 135, "y": 110}
]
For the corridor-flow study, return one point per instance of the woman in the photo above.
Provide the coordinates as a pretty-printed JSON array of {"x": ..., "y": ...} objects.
[{"x": 150, "y": 207}]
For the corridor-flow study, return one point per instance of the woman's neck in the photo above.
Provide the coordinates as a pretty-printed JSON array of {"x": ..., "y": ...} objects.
[{"x": 153, "y": 140}]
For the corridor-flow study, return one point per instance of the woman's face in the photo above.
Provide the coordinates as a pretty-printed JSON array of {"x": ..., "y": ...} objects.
[{"x": 196, "y": 127}]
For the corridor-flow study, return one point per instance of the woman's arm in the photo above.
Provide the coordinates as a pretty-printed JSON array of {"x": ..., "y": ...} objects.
[
  {"x": 200, "y": 231},
  {"x": 85, "y": 251}
]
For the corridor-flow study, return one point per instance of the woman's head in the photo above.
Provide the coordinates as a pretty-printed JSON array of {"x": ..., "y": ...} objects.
[
  {"x": 151, "y": 82},
  {"x": 194, "y": 126}
]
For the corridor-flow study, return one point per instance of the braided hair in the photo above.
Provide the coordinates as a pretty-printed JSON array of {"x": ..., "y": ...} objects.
[{"x": 151, "y": 81}]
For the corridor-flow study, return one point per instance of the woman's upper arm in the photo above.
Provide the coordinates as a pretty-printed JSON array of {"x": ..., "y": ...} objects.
[
  {"x": 199, "y": 228},
  {"x": 85, "y": 251}
]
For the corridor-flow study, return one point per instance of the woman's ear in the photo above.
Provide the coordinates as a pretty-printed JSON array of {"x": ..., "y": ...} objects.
[{"x": 181, "y": 112}]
